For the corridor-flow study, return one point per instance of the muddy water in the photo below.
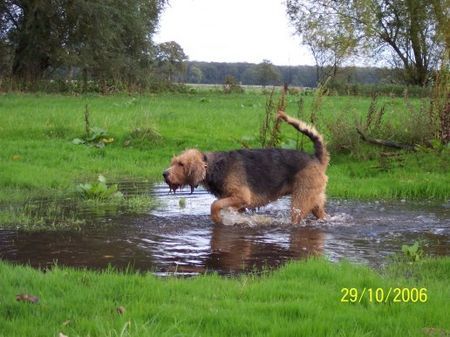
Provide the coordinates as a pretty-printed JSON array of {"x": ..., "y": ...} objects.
[{"x": 178, "y": 237}]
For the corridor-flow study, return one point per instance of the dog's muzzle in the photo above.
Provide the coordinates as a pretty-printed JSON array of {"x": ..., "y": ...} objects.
[{"x": 172, "y": 187}]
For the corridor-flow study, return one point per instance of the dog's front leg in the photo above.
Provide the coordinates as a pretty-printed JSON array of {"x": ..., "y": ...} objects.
[{"x": 220, "y": 204}]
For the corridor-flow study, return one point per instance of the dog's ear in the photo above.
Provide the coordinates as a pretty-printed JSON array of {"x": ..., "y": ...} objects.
[{"x": 197, "y": 172}]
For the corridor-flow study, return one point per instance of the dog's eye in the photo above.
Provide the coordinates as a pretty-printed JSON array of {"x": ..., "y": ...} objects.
[{"x": 181, "y": 164}]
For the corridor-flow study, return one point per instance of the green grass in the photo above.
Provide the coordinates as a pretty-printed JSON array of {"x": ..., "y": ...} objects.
[
  {"x": 300, "y": 299},
  {"x": 415, "y": 176},
  {"x": 38, "y": 159}
]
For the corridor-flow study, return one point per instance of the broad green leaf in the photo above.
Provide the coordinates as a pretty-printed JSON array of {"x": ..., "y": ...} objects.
[{"x": 78, "y": 141}]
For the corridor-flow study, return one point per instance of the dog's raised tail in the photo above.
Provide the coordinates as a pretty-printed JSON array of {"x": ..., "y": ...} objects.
[{"x": 320, "y": 152}]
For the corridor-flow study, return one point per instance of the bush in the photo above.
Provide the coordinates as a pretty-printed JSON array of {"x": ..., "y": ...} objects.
[
  {"x": 232, "y": 86},
  {"x": 343, "y": 136},
  {"x": 393, "y": 90}
]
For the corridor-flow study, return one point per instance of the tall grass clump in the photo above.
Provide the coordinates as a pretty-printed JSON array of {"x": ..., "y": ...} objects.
[
  {"x": 269, "y": 132},
  {"x": 417, "y": 124},
  {"x": 299, "y": 137},
  {"x": 143, "y": 137},
  {"x": 320, "y": 92}
]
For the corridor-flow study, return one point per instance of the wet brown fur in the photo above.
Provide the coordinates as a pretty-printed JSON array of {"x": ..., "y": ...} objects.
[{"x": 252, "y": 178}]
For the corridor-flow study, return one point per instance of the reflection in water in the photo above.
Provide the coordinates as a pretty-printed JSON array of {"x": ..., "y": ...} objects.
[
  {"x": 233, "y": 250},
  {"x": 174, "y": 239}
]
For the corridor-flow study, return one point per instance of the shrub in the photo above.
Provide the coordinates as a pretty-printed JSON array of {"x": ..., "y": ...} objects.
[
  {"x": 231, "y": 85},
  {"x": 343, "y": 137},
  {"x": 342, "y": 88}
]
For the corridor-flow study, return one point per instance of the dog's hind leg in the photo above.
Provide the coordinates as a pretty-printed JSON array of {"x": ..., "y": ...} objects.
[
  {"x": 305, "y": 202},
  {"x": 301, "y": 206},
  {"x": 319, "y": 209},
  {"x": 319, "y": 212},
  {"x": 220, "y": 204},
  {"x": 308, "y": 194}
]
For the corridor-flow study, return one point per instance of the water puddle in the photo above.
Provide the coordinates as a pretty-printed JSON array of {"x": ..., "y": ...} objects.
[{"x": 177, "y": 237}]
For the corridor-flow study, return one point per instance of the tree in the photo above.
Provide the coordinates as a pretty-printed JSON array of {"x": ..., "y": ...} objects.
[
  {"x": 105, "y": 40},
  {"x": 28, "y": 28},
  {"x": 267, "y": 73},
  {"x": 250, "y": 75},
  {"x": 171, "y": 60},
  {"x": 404, "y": 32},
  {"x": 195, "y": 74}
]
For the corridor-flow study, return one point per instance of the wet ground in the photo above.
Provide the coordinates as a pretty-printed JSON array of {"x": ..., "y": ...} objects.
[{"x": 178, "y": 236}]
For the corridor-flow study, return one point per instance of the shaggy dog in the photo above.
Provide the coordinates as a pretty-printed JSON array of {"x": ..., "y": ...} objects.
[{"x": 251, "y": 178}]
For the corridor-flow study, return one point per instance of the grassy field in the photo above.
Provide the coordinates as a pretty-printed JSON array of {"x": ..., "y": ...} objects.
[
  {"x": 300, "y": 299},
  {"x": 38, "y": 158}
]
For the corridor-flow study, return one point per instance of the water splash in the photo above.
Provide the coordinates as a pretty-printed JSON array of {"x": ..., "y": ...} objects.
[{"x": 232, "y": 217}]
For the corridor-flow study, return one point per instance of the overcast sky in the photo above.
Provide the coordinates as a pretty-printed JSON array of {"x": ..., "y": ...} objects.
[{"x": 233, "y": 31}]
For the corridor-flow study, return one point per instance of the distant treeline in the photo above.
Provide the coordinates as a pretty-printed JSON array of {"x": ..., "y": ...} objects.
[
  {"x": 365, "y": 81},
  {"x": 268, "y": 74}
]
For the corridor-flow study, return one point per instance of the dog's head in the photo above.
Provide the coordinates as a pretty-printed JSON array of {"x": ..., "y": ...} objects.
[{"x": 188, "y": 168}]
